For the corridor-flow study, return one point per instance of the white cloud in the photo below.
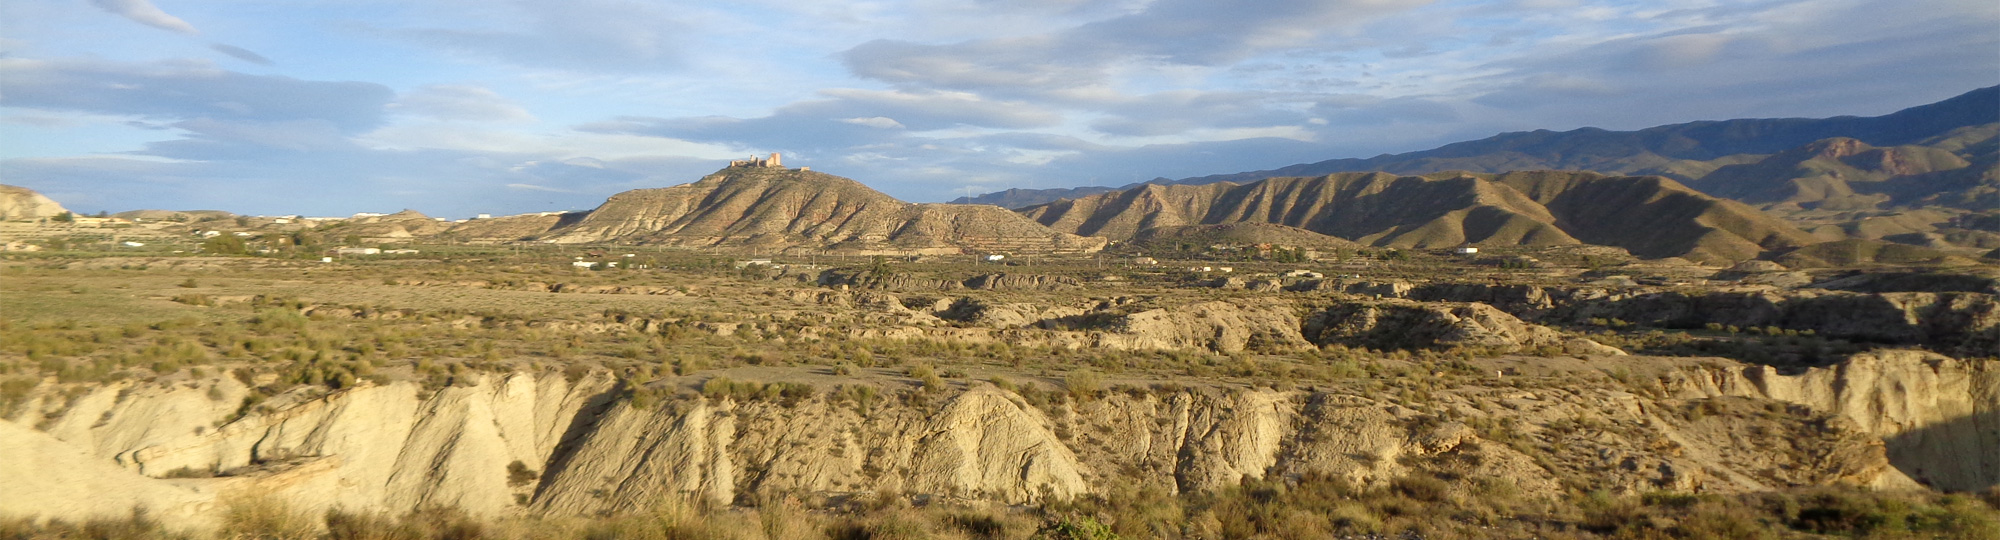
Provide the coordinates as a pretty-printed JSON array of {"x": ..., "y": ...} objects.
[
  {"x": 577, "y": 35},
  {"x": 144, "y": 12},
  {"x": 881, "y": 122},
  {"x": 533, "y": 187},
  {"x": 460, "y": 103}
]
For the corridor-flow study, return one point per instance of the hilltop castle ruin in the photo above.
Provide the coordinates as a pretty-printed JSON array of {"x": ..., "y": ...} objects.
[{"x": 773, "y": 162}]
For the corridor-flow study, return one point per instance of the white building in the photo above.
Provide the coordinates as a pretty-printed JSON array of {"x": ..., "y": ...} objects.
[
  {"x": 1467, "y": 250},
  {"x": 358, "y": 251}
]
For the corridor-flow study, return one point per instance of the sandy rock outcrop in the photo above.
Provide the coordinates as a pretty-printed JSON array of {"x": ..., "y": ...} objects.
[
  {"x": 1218, "y": 326},
  {"x": 49, "y": 477},
  {"x": 1226, "y": 439},
  {"x": 523, "y": 443},
  {"x": 1004, "y": 315},
  {"x": 370, "y": 448},
  {"x": 987, "y": 445},
  {"x": 1411, "y": 325},
  {"x": 1939, "y": 416},
  {"x": 22, "y": 203},
  {"x": 983, "y": 444},
  {"x": 631, "y": 458}
]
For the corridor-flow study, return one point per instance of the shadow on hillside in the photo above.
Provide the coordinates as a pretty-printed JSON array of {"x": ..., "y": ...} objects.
[{"x": 1959, "y": 455}]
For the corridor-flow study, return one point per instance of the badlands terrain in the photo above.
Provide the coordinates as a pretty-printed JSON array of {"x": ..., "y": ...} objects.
[
  {"x": 1202, "y": 387},
  {"x": 1742, "y": 329}
]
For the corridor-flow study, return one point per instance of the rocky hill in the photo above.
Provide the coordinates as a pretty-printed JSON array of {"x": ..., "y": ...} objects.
[
  {"x": 1683, "y": 152},
  {"x": 23, "y": 203},
  {"x": 1649, "y": 216},
  {"x": 400, "y": 226},
  {"x": 784, "y": 208}
]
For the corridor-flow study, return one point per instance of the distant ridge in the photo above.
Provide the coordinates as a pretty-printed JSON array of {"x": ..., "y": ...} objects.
[
  {"x": 1650, "y": 216},
  {"x": 1680, "y": 151},
  {"x": 777, "y": 208}
]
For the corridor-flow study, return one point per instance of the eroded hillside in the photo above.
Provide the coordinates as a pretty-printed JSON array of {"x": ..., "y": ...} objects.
[
  {"x": 1650, "y": 216},
  {"x": 784, "y": 208}
]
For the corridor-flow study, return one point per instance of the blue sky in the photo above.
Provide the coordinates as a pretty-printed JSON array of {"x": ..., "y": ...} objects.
[{"x": 457, "y": 107}]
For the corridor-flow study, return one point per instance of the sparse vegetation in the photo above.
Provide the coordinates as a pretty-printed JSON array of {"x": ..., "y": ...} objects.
[{"x": 256, "y": 340}]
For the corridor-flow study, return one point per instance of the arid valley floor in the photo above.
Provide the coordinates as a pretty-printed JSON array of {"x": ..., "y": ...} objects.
[{"x": 504, "y": 391}]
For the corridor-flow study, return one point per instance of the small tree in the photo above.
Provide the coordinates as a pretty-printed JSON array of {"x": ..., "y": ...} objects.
[
  {"x": 64, "y": 217},
  {"x": 227, "y": 244}
]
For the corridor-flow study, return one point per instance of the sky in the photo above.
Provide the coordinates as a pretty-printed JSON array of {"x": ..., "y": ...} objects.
[{"x": 460, "y": 107}]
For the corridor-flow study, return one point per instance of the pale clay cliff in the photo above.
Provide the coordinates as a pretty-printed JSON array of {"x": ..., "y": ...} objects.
[{"x": 388, "y": 448}]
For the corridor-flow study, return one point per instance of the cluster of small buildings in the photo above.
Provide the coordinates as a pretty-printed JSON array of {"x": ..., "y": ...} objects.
[
  {"x": 373, "y": 251},
  {"x": 592, "y": 265}
]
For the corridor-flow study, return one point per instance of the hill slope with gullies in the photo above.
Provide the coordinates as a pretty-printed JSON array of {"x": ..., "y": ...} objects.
[
  {"x": 1649, "y": 216},
  {"x": 1239, "y": 234},
  {"x": 783, "y": 208},
  {"x": 1847, "y": 174}
]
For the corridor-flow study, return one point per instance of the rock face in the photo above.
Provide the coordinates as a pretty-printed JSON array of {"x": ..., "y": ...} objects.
[
  {"x": 521, "y": 443},
  {"x": 25, "y": 204},
  {"x": 1649, "y": 216},
  {"x": 371, "y": 448},
  {"x": 49, "y": 477},
  {"x": 779, "y": 208}
]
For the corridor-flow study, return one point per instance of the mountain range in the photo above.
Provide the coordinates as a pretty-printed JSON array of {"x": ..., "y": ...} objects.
[
  {"x": 1690, "y": 152},
  {"x": 1710, "y": 192}
]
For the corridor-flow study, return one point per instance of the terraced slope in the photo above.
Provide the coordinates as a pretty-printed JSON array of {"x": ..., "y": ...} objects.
[{"x": 1649, "y": 216}]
